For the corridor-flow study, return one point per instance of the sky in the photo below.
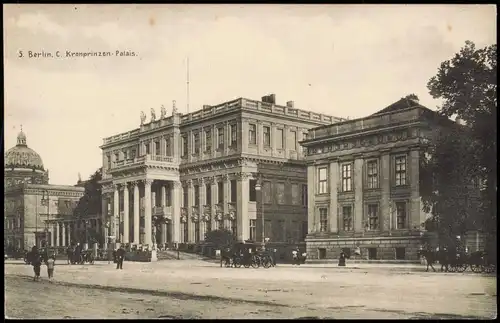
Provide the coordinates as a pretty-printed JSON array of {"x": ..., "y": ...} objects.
[{"x": 340, "y": 60}]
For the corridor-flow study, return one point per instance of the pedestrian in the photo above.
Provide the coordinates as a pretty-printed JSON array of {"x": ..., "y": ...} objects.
[
  {"x": 36, "y": 262},
  {"x": 120, "y": 255},
  {"x": 342, "y": 259},
  {"x": 51, "y": 262},
  {"x": 295, "y": 256},
  {"x": 274, "y": 257}
]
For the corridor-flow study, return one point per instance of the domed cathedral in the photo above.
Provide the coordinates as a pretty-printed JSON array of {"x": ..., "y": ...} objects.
[
  {"x": 23, "y": 165},
  {"x": 36, "y": 212}
]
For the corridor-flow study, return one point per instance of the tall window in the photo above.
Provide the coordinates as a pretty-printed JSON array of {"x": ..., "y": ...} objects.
[
  {"x": 234, "y": 227},
  {"x": 233, "y": 190},
  {"x": 323, "y": 180},
  {"x": 401, "y": 215},
  {"x": 208, "y": 140},
  {"x": 323, "y": 219},
  {"x": 148, "y": 149},
  {"x": 125, "y": 154},
  {"x": 373, "y": 223},
  {"x": 252, "y": 134},
  {"x": 133, "y": 154},
  {"x": 109, "y": 161},
  {"x": 346, "y": 177},
  {"x": 281, "y": 231},
  {"x": 280, "y": 188},
  {"x": 186, "y": 233},
  {"x": 267, "y": 190},
  {"x": 400, "y": 163},
  {"x": 208, "y": 226},
  {"x": 220, "y": 224},
  {"x": 347, "y": 218},
  {"x": 295, "y": 194},
  {"x": 196, "y": 195},
  {"x": 167, "y": 147},
  {"x": 253, "y": 230},
  {"x": 252, "y": 190},
  {"x": 208, "y": 194},
  {"x": 293, "y": 140},
  {"x": 220, "y": 136},
  {"x": 304, "y": 230},
  {"x": 267, "y": 136},
  {"x": 220, "y": 192},
  {"x": 234, "y": 134},
  {"x": 184, "y": 146},
  {"x": 197, "y": 232},
  {"x": 157, "y": 148},
  {"x": 279, "y": 138},
  {"x": 196, "y": 140},
  {"x": 304, "y": 195},
  {"x": 185, "y": 196},
  {"x": 372, "y": 173}
]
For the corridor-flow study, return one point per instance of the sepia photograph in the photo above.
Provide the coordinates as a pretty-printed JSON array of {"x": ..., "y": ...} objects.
[{"x": 250, "y": 161}]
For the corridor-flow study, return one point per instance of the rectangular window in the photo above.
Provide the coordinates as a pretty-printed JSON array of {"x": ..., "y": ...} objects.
[
  {"x": 400, "y": 163},
  {"x": 252, "y": 191},
  {"x": 253, "y": 230},
  {"x": 373, "y": 223},
  {"x": 234, "y": 135},
  {"x": 148, "y": 149},
  {"x": 196, "y": 141},
  {"x": 372, "y": 253},
  {"x": 295, "y": 194},
  {"x": 220, "y": 192},
  {"x": 208, "y": 194},
  {"x": 184, "y": 146},
  {"x": 280, "y": 230},
  {"x": 125, "y": 155},
  {"x": 167, "y": 147},
  {"x": 346, "y": 177},
  {"x": 279, "y": 138},
  {"x": 157, "y": 148},
  {"x": 109, "y": 161},
  {"x": 266, "y": 190},
  {"x": 293, "y": 140},
  {"x": 234, "y": 228},
  {"x": 117, "y": 157},
  {"x": 401, "y": 215},
  {"x": 208, "y": 226},
  {"x": 323, "y": 219},
  {"x": 304, "y": 195},
  {"x": 280, "y": 188},
  {"x": 208, "y": 140},
  {"x": 267, "y": 136},
  {"x": 268, "y": 230},
  {"x": 196, "y": 189},
  {"x": 220, "y": 136},
  {"x": 347, "y": 218},
  {"x": 321, "y": 253},
  {"x": 186, "y": 233},
  {"x": 133, "y": 154},
  {"x": 220, "y": 225},
  {"x": 185, "y": 196},
  {"x": 252, "y": 134},
  {"x": 233, "y": 190},
  {"x": 322, "y": 180},
  {"x": 400, "y": 253},
  {"x": 372, "y": 173}
]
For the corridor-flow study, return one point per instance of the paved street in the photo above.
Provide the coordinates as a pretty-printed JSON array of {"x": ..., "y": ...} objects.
[{"x": 196, "y": 289}]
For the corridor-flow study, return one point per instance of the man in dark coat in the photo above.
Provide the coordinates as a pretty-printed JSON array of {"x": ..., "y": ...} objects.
[{"x": 120, "y": 256}]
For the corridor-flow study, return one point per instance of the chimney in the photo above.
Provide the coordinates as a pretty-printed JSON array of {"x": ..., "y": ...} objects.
[
  {"x": 272, "y": 98},
  {"x": 265, "y": 98},
  {"x": 289, "y": 104}
]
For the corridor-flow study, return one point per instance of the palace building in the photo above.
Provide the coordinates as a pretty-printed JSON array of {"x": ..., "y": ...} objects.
[
  {"x": 363, "y": 183},
  {"x": 36, "y": 212},
  {"x": 177, "y": 177}
]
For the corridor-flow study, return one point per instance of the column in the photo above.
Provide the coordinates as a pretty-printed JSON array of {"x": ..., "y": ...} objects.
[
  {"x": 52, "y": 235},
  {"x": 163, "y": 204},
  {"x": 242, "y": 220},
  {"x": 213, "y": 209},
  {"x": 358, "y": 195},
  {"x": 57, "y": 235},
  {"x": 333, "y": 186},
  {"x": 126, "y": 228},
  {"x": 104, "y": 214},
  {"x": 63, "y": 228},
  {"x": 147, "y": 212},
  {"x": 176, "y": 211},
  {"x": 387, "y": 223},
  {"x": 415, "y": 216},
  {"x": 227, "y": 194},
  {"x": 189, "y": 207},
  {"x": 311, "y": 203},
  {"x": 201, "y": 209},
  {"x": 69, "y": 234},
  {"x": 136, "y": 213},
  {"x": 116, "y": 212}
]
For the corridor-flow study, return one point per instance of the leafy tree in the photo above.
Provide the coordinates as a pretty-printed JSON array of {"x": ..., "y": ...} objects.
[
  {"x": 90, "y": 202},
  {"x": 220, "y": 238},
  {"x": 412, "y": 97},
  {"x": 467, "y": 85}
]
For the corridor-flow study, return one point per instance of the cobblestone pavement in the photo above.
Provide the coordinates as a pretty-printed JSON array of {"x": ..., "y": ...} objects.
[{"x": 195, "y": 289}]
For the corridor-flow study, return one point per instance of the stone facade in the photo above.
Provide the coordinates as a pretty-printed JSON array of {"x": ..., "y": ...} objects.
[
  {"x": 363, "y": 184},
  {"x": 198, "y": 172}
]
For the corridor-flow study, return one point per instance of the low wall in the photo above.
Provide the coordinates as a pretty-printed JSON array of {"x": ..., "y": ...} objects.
[{"x": 141, "y": 256}]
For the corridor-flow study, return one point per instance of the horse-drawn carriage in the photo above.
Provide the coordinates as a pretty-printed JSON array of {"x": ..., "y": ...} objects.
[
  {"x": 459, "y": 261},
  {"x": 246, "y": 255},
  {"x": 84, "y": 256}
]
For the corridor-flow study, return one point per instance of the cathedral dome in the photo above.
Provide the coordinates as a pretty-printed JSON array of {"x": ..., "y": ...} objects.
[{"x": 21, "y": 156}]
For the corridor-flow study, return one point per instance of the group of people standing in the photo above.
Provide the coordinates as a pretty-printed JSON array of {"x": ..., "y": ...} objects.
[{"x": 37, "y": 258}]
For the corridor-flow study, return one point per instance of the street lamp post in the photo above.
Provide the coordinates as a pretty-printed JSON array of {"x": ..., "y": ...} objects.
[
  {"x": 259, "y": 189},
  {"x": 46, "y": 202}
]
